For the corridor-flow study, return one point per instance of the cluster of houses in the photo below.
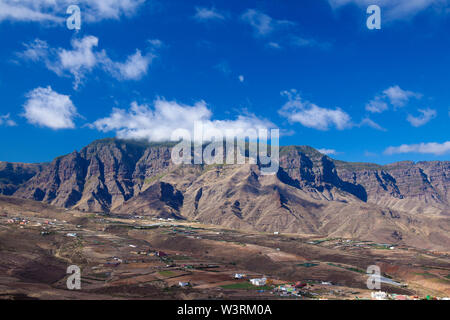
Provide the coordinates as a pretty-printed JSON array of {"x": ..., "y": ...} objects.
[
  {"x": 259, "y": 282},
  {"x": 290, "y": 290},
  {"x": 381, "y": 295},
  {"x": 19, "y": 221}
]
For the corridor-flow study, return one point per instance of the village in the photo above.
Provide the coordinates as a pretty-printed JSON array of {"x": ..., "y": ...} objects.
[{"x": 130, "y": 257}]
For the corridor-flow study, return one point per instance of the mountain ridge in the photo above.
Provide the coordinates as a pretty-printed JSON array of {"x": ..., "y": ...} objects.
[{"x": 311, "y": 193}]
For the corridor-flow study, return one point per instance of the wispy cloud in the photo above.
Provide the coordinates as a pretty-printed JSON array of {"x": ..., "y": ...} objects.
[
  {"x": 5, "y": 120},
  {"x": 423, "y": 148},
  {"x": 274, "y": 45},
  {"x": 47, "y": 108},
  {"x": 310, "y": 115},
  {"x": 83, "y": 58},
  {"x": 263, "y": 24},
  {"x": 395, "y": 96},
  {"x": 426, "y": 116},
  {"x": 399, "y": 97},
  {"x": 302, "y": 42},
  {"x": 376, "y": 105},
  {"x": 223, "y": 67},
  {"x": 369, "y": 122},
  {"x": 207, "y": 14},
  {"x": 53, "y": 11}
]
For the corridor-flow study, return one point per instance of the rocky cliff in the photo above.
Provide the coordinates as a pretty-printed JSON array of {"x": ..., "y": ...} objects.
[
  {"x": 14, "y": 174},
  {"x": 310, "y": 194}
]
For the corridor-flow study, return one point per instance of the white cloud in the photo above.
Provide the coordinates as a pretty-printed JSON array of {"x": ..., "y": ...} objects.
[
  {"x": 206, "y": 14},
  {"x": 160, "y": 122},
  {"x": 311, "y": 115},
  {"x": 376, "y": 106},
  {"x": 156, "y": 43},
  {"x": 83, "y": 58},
  {"x": 274, "y": 45},
  {"x": 297, "y": 41},
  {"x": 27, "y": 11},
  {"x": 328, "y": 152},
  {"x": 47, "y": 108},
  {"x": 223, "y": 67},
  {"x": 424, "y": 148},
  {"x": 372, "y": 124},
  {"x": 35, "y": 51},
  {"x": 79, "y": 61},
  {"x": 394, "y": 95},
  {"x": 55, "y": 10},
  {"x": 134, "y": 68},
  {"x": 5, "y": 120},
  {"x": 395, "y": 9},
  {"x": 262, "y": 23},
  {"x": 399, "y": 97},
  {"x": 427, "y": 116}
]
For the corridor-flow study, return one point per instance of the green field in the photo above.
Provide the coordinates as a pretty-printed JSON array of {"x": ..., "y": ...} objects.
[
  {"x": 167, "y": 273},
  {"x": 245, "y": 286}
]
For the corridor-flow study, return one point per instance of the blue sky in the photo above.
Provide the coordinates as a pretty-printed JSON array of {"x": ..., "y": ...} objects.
[{"x": 143, "y": 68}]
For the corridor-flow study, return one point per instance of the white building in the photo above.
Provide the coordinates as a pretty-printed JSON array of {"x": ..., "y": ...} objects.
[
  {"x": 379, "y": 295},
  {"x": 239, "y": 276},
  {"x": 258, "y": 282},
  {"x": 183, "y": 284}
]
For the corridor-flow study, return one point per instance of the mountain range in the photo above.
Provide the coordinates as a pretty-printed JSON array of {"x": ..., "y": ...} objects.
[{"x": 311, "y": 194}]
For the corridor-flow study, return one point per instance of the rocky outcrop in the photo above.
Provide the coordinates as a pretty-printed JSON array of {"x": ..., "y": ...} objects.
[
  {"x": 12, "y": 175},
  {"x": 109, "y": 173},
  {"x": 100, "y": 177},
  {"x": 311, "y": 194},
  {"x": 413, "y": 187}
]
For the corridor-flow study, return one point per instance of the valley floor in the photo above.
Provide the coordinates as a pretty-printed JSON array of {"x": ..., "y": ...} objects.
[{"x": 139, "y": 258}]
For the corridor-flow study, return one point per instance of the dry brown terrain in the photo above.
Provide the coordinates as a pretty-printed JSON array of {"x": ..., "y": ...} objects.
[{"x": 118, "y": 261}]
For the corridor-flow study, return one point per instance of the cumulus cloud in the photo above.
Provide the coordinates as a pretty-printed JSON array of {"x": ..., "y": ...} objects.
[
  {"x": 134, "y": 68},
  {"x": 311, "y": 115},
  {"x": 5, "y": 120},
  {"x": 159, "y": 122},
  {"x": 47, "y": 108},
  {"x": 207, "y": 14},
  {"x": 54, "y": 11},
  {"x": 424, "y": 148},
  {"x": 395, "y": 96},
  {"x": 395, "y": 9},
  {"x": 83, "y": 58},
  {"x": 328, "y": 152},
  {"x": 399, "y": 97},
  {"x": 262, "y": 23},
  {"x": 426, "y": 116}
]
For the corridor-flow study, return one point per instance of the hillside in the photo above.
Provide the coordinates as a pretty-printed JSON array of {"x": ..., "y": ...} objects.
[{"x": 311, "y": 194}]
